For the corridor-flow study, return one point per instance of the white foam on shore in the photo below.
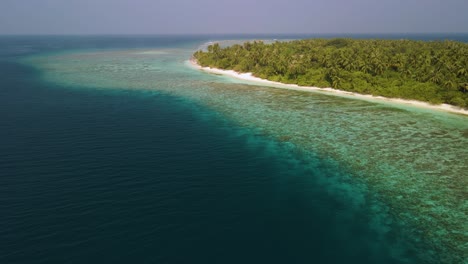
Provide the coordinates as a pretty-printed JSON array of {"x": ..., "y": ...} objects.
[{"x": 259, "y": 81}]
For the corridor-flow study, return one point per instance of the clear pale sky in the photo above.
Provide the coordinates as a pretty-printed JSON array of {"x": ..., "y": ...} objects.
[{"x": 231, "y": 16}]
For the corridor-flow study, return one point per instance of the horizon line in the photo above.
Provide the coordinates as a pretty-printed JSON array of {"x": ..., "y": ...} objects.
[{"x": 224, "y": 34}]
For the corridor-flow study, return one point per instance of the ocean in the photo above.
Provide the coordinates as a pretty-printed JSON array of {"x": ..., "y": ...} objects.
[{"x": 114, "y": 150}]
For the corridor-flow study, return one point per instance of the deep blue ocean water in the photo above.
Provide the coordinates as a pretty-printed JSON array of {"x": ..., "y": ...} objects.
[{"x": 121, "y": 176}]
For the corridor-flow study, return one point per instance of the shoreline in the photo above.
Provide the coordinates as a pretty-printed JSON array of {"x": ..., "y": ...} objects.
[{"x": 259, "y": 81}]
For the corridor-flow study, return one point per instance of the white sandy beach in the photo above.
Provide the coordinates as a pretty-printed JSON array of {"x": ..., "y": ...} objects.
[{"x": 255, "y": 80}]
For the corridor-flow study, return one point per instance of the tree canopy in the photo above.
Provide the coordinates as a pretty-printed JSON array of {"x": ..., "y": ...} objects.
[{"x": 431, "y": 71}]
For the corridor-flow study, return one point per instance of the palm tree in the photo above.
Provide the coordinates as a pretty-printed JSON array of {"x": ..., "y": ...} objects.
[
  {"x": 379, "y": 67},
  {"x": 436, "y": 78},
  {"x": 398, "y": 61},
  {"x": 364, "y": 67},
  {"x": 449, "y": 84},
  {"x": 462, "y": 72},
  {"x": 336, "y": 82},
  {"x": 406, "y": 72}
]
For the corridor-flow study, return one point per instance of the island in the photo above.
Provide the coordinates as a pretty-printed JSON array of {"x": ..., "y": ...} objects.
[{"x": 435, "y": 72}]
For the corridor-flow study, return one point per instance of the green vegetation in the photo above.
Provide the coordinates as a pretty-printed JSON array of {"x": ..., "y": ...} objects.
[{"x": 435, "y": 72}]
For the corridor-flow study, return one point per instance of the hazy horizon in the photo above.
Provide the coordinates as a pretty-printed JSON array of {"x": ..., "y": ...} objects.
[
  {"x": 241, "y": 17},
  {"x": 344, "y": 34}
]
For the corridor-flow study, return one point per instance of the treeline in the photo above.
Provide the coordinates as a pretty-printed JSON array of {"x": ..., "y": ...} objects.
[{"x": 435, "y": 72}]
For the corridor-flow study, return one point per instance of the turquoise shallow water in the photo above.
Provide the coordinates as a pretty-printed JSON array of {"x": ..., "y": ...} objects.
[{"x": 273, "y": 175}]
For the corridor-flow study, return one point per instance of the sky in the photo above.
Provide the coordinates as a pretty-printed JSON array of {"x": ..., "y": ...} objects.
[{"x": 232, "y": 16}]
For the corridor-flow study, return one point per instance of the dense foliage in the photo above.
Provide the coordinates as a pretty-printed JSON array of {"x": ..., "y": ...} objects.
[{"x": 435, "y": 71}]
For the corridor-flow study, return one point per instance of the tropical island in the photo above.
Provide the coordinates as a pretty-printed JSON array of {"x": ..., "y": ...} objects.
[{"x": 435, "y": 72}]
